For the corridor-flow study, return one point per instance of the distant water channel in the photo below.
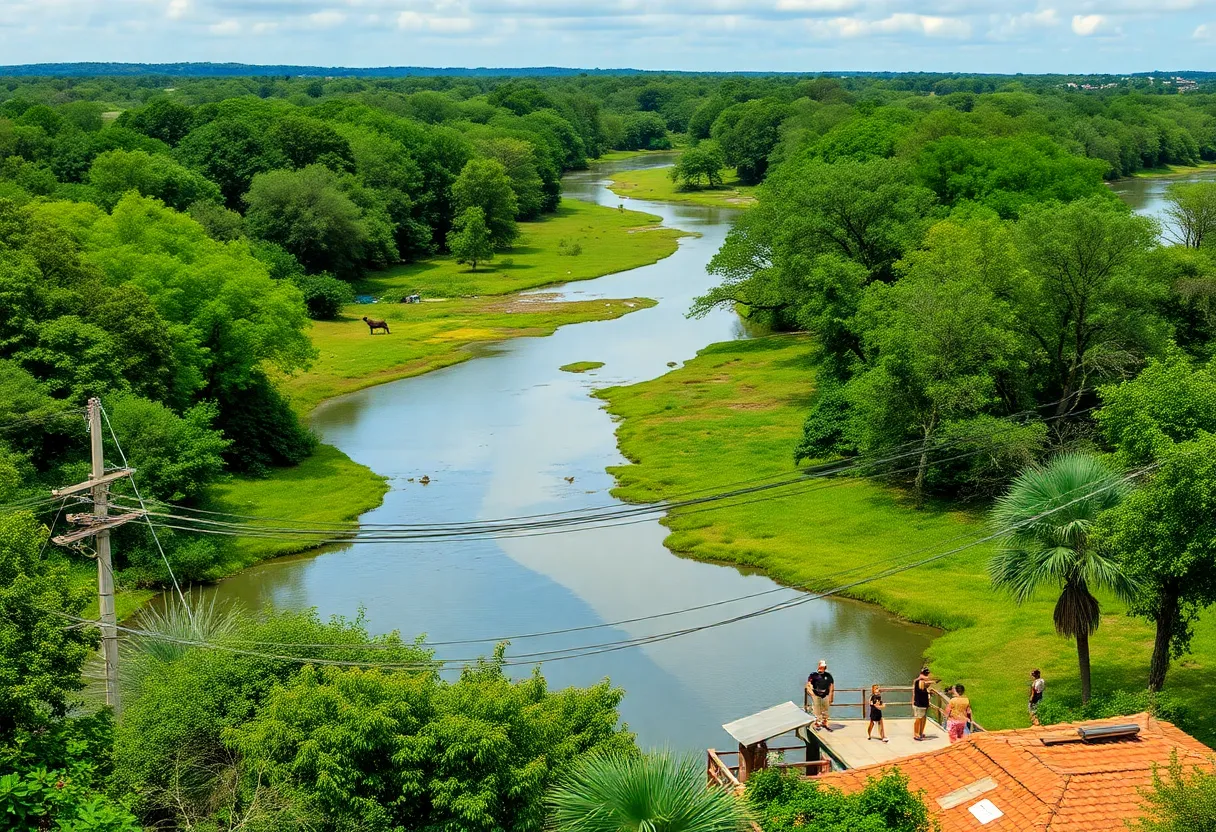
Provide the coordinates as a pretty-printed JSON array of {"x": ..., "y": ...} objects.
[
  {"x": 498, "y": 436},
  {"x": 1147, "y": 195}
]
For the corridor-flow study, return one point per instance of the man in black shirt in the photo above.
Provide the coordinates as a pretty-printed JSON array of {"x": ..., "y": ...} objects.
[
  {"x": 822, "y": 688},
  {"x": 920, "y": 702}
]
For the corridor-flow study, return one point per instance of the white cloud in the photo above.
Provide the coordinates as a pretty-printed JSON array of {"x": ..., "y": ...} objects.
[
  {"x": 419, "y": 21},
  {"x": 225, "y": 27},
  {"x": 1089, "y": 24},
  {"x": 1204, "y": 31},
  {"x": 898, "y": 23},
  {"x": 327, "y": 19},
  {"x": 815, "y": 6},
  {"x": 265, "y": 28},
  {"x": 177, "y": 9},
  {"x": 1015, "y": 25}
]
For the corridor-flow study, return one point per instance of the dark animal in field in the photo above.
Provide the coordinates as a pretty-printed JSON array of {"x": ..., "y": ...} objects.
[{"x": 373, "y": 325}]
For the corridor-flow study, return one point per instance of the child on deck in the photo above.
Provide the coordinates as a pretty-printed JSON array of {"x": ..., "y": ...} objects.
[{"x": 876, "y": 709}]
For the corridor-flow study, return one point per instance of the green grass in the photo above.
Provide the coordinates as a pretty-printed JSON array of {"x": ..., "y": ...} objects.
[
  {"x": 734, "y": 413},
  {"x": 328, "y": 487},
  {"x": 1174, "y": 170},
  {"x": 581, "y": 366},
  {"x": 655, "y": 184},
  {"x": 611, "y": 241},
  {"x": 621, "y": 155},
  {"x": 428, "y": 336}
]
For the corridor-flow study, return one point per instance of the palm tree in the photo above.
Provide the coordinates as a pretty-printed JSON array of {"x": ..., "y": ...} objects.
[
  {"x": 643, "y": 793},
  {"x": 1052, "y": 549}
]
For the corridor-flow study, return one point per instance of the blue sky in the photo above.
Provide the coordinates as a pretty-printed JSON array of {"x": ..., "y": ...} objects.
[{"x": 792, "y": 35}]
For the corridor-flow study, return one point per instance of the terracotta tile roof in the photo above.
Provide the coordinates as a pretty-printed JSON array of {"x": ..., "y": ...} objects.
[{"x": 1067, "y": 787}]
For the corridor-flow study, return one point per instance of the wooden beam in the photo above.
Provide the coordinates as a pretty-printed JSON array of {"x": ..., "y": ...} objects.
[
  {"x": 93, "y": 483},
  {"x": 92, "y": 529}
]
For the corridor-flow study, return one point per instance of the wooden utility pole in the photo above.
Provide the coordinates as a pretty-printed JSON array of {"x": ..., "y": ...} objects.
[{"x": 98, "y": 524}]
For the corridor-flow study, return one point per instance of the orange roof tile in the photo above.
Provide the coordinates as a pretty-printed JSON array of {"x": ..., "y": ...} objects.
[{"x": 1069, "y": 787}]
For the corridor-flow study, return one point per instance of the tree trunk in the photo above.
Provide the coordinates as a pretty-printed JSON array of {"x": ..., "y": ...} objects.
[
  {"x": 922, "y": 467},
  {"x": 1083, "y": 664},
  {"x": 1167, "y": 615}
]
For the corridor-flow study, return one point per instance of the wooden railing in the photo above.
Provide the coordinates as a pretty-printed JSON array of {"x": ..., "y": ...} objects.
[
  {"x": 859, "y": 707},
  {"x": 722, "y": 773}
]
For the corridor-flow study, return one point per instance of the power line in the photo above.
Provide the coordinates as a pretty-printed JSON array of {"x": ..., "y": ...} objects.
[{"x": 542, "y": 657}]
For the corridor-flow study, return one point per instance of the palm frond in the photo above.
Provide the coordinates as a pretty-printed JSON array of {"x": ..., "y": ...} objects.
[{"x": 657, "y": 792}]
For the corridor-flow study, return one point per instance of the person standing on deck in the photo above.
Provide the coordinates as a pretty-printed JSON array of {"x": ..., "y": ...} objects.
[
  {"x": 1037, "y": 684},
  {"x": 876, "y": 709},
  {"x": 958, "y": 714},
  {"x": 822, "y": 688},
  {"x": 920, "y": 702}
]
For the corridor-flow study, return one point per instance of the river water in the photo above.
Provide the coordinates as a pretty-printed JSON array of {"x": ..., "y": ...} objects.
[
  {"x": 498, "y": 436},
  {"x": 1147, "y": 195}
]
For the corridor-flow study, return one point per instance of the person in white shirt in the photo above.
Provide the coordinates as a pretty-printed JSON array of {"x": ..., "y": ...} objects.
[{"x": 1037, "y": 684}]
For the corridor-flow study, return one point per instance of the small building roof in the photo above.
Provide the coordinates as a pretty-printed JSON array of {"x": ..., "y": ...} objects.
[
  {"x": 1001, "y": 781},
  {"x": 769, "y": 723}
]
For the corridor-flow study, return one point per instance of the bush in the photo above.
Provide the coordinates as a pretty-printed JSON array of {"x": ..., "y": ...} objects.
[
  {"x": 569, "y": 248},
  {"x": 264, "y": 430},
  {"x": 1120, "y": 703},
  {"x": 785, "y": 803},
  {"x": 324, "y": 295}
]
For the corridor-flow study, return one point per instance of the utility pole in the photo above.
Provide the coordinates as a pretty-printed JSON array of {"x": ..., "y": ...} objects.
[{"x": 98, "y": 524}]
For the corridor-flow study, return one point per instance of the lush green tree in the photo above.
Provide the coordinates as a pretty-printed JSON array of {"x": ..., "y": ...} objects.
[
  {"x": 1172, "y": 400},
  {"x": 116, "y": 172},
  {"x": 1047, "y": 517},
  {"x": 938, "y": 342},
  {"x": 700, "y": 165},
  {"x": 308, "y": 214},
  {"x": 162, "y": 118},
  {"x": 748, "y": 132},
  {"x": 483, "y": 183},
  {"x": 519, "y": 159},
  {"x": 660, "y": 792},
  {"x": 820, "y": 233},
  {"x": 230, "y": 153},
  {"x": 702, "y": 120},
  {"x": 1178, "y": 800},
  {"x": 644, "y": 131},
  {"x": 219, "y": 222},
  {"x": 1164, "y": 535},
  {"x": 1089, "y": 303},
  {"x": 783, "y": 802},
  {"x": 304, "y": 141},
  {"x": 40, "y": 657},
  {"x": 469, "y": 240},
  {"x": 176, "y": 456},
  {"x": 405, "y": 750},
  {"x": 1190, "y": 213}
]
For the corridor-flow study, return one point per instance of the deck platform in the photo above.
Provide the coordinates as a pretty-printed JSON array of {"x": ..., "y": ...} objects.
[{"x": 847, "y": 745}]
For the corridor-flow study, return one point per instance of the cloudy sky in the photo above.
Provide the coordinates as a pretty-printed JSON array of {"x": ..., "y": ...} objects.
[{"x": 795, "y": 35}]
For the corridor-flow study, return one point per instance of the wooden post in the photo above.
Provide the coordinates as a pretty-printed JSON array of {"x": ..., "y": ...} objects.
[{"x": 105, "y": 567}]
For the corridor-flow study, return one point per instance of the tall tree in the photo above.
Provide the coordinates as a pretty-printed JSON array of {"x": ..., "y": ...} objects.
[
  {"x": 1164, "y": 535},
  {"x": 700, "y": 166},
  {"x": 469, "y": 239},
  {"x": 1047, "y": 517},
  {"x": 484, "y": 183},
  {"x": 1089, "y": 302},
  {"x": 1190, "y": 213},
  {"x": 748, "y": 133}
]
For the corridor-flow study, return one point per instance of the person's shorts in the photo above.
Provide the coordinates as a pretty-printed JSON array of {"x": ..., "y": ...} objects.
[
  {"x": 919, "y": 713},
  {"x": 956, "y": 728},
  {"x": 819, "y": 705},
  {"x": 1034, "y": 707}
]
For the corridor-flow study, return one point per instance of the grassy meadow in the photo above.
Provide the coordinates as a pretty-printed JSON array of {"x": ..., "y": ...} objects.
[
  {"x": 735, "y": 412},
  {"x": 655, "y": 184},
  {"x": 581, "y": 366},
  {"x": 1174, "y": 170}
]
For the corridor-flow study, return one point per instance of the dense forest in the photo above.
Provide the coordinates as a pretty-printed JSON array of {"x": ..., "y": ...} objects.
[{"x": 165, "y": 241}]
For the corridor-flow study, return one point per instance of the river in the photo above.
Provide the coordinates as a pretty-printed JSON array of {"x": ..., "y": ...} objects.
[
  {"x": 498, "y": 436},
  {"x": 1146, "y": 195}
]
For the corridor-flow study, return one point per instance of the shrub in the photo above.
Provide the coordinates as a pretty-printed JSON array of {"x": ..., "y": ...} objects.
[
  {"x": 324, "y": 295},
  {"x": 1120, "y": 703},
  {"x": 569, "y": 248}
]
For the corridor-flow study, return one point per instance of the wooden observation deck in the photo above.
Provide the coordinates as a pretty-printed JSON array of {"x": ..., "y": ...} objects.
[{"x": 844, "y": 747}]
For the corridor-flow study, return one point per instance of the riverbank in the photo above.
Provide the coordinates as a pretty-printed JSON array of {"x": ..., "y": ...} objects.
[
  {"x": 462, "y": 313},
  {"x": 655, "y": 184},
  {"x": 1174, "y": 170},
  {"x": 734, "y": 414}
]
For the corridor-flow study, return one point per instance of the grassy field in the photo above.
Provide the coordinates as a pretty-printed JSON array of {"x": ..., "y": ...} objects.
[
  {"x": 1174, "y": 170},
  {"x": 610, "y": 241},
  {"x": 655, "y": 184},
  {"x": 735, "y": 412},
  {"x": 581, "y": 366}
]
